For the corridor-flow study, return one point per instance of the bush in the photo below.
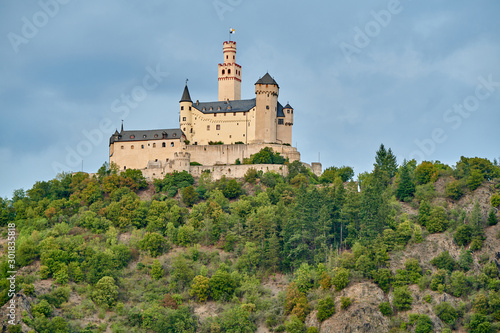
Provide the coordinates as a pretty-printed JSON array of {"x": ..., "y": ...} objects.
[
  {"x": 444, "y": 261},
  {"x": 232, "y": 190},
  {"x": 446, "y": 312},
  {"x": 463, "y": 235},
  {"x": 492, "y": 218},
  {"x": 200, "y": 288},
  {"x": 326, "y": 308},
  {"x": 345, "y": 302},
  {"x": 42, "y": 309},
  {"x": 454, "y": 190},
  {"x": 156, "y": 270},
  {"x": 385, "y": 308},
  {"x": 474, "y": 180},
  {"x": 189, "y": 196},
  {"x": 402, "y": 298},
  {"x": 424, "y": 324},
  {"x": 105, "y": 292},
  {"x": 495, "y": 200},
  {"x": 340, "y": 278},
  {"x": 154, "y": 243},
  {"x": 295, "y": 325},
  {"x": 438, "y": 220},
  {"x": 251, "y": 176}
]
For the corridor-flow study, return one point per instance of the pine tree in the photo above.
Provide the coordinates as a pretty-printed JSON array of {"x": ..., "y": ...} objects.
[
  {"x": 406, "y": 187},
  {"x": 492, "y": 218},
  {"x": 386, "y": 161},
  {"x": 156, "y": 270}
]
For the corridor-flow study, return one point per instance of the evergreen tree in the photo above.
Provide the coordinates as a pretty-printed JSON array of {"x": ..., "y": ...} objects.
[
  {"x": 492, "y": 218},
  {"x": 406, "y": 187},
  {"x": 386, "y": 161}
]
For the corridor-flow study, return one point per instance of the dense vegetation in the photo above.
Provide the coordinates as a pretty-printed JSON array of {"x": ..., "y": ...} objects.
[{"x": 186, "y": 255}]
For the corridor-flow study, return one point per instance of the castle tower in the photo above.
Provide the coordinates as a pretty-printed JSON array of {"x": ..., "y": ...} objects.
[
  {"x": 229, "y": 74},
  {"x": 185, "y": 118},
  {"x": 266, "y": 91},
  {"x": 285, "y": 125}
]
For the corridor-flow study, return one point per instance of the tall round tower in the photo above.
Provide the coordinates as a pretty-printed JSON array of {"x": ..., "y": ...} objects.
[
  {"x": 266, "y": 91},
  {"x": 229, "y": 74},
  {"x": 185, "y": 117}
]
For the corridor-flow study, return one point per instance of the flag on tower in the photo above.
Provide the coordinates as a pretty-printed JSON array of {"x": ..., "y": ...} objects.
[{"x": 231, "y": 30}]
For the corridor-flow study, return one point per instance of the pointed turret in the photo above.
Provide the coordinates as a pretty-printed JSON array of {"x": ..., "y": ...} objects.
[
  {"x": 185, "y": 95},
  {"x": 267, "y": 79}
]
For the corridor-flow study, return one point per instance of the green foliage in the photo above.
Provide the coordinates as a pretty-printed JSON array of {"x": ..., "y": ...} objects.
[
  {"x": 454, "y": 190},
  {"x": 444, "y": 261},
  {"x": 446, "y": 312},
  {"x": 495, "y": 200},
  {"x": 385, "y": 308},
  {"x": 236, "y": 319},
  {"x": 474, "y": 180},
  {"x": 340, "y": 278},
  {"x": 265, "y": 156},
  {"x": 402, "y": 298},
  {"x": 463, "y": 235},
  {"x": 233, "y": 189},
  {"x": 200, "y": 288},
  {"x": 438, "y": 220},
  {"x": 105, "y": 292},
  {"x": 383, "y": 277},
  {"x": 406, "y": 187},
  {"x": 189, "y": 196},
  {"x": 345, "y": 302},
  {"x": 345, "y": 173},
  {"x": 465, "y": 260},
  {"x": 156, "y": 270},
  {"x": 304, "y": 278},
  {"x": 154, "y": 243},
  {"x": 424, "y": 324},
  {"x": 326, "y": 308},
  {"x": 295, "y": 325},
  {"x": 386, "y": 161},
  {"x": 479, "y": 324},
  {"x": 42, "y": 309},
  {"x": 222, "y": 285},
  {"x": 57, "y": 296},
  {"x": 492, "y": 218},
  {"x": 426, "y": 172},
  {"x": 251, "y": 176},
  {"x": 174, "y": 181},
  {"x": 296, "y": 302}
]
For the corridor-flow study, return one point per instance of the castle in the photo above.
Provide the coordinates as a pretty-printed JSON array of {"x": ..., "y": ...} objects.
[{"x": 214, "y": 135}]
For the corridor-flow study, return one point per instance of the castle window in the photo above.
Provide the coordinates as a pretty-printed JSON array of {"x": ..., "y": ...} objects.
[
  {"x": 280, "y": 121},
  {"x": 171, "y": 144},
  {"x": 208, "y": 127},
  {"x": 191, "y": 130},
  {"x": 287, "y": 111},
  {"x": 223, "y": 71},
  {"x": 124, "y": 167},
  {"x": 132, "y": 147},
  {"x": 123, "y": 147},
  {"x": 217, "y": 127},
  {"x": 154, "y": 145},
  {"x": 142, "y": 146},
  {"x": 204, "y": 109},
  {"x": 215, "y": 114},
  {"x": 211, "y": 109},
  {"x": 227, "y": 57},
  {"x": 224, "y": 114},
  {"x": 234, "y": 113},
  {"x": 218, "y": 108},
  {"x": 228, "y": 71},
  {"x": 156, "y": 160},
  {"x": 233, "y": 57},
  {"x": 144, "y": 136},
  {"x": 132, "y": 136},
  {"x": 184, "y": 129},
  {"x": 183, "y": 118},
  {"x": 182, "y": 107},
  {"x": 267, "y": 107},
  {"x": 189, "y": 108},
  {"x": 174, "y": 135},
  {"x": 163, "y": 144},
  {"x": 156, "y": 135}
]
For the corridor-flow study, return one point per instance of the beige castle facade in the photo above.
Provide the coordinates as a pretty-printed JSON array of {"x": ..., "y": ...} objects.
[{"x": 213, "y": 134}]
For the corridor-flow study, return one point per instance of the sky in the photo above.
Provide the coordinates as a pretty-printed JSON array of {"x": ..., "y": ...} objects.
[{"x": 420, "y": 77}]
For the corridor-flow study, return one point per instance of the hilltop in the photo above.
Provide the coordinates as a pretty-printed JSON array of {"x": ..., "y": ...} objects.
[{"x": 405, "y": 248}]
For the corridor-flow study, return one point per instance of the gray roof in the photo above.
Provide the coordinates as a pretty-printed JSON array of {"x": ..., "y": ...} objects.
[
  {"x": 144, "y": 135},
  {"x": 266, "y": 79},
  {"x": 287, "y": 106},
  {"x": 280, "y": 112},
  {"x": 241, "y": 105},
  {"x": 185, "y": 95}
]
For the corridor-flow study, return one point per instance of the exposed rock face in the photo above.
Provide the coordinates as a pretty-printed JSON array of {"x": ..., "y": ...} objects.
[
  {"x": 362, "y": 315},
  {"x": 23, "y": 303}
]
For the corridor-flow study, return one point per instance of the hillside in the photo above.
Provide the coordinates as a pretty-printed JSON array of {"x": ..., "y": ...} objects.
[{"x": 417, "y": 249}]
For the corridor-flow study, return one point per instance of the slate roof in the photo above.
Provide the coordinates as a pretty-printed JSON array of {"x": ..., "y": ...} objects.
[
  {"x": 144, "y": 135},
  {"x": 287, "y": 106},
  {"x": 280, "y": 112},
  {"x": 266, "y": 79},
  {"x": 242, "y": 105},
  {"x": 185, "y": 95}
]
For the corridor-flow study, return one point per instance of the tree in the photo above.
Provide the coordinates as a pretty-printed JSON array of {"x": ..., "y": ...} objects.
[
  {"x": 454, "y": 190},
  {"x": 386, "y": 161},
  {"x": 105, "y": 292},
  {"x": 340, "y": 278},
  {"x": 385, "y": 308},
  {"x": 424, "y": 324},
  {"x": 446, "y": 312},
  {"x": 295, "y": 325},
  {"x": 156, "y": 270},
  {"x": 463, "y": 235},
  {"x": 492, "y": 217},
  {"x": 222, "y": 285},
  {"x": 154, "y": 243},
  {"x": 326, "y": 308},
  {"x": 444, "y": 261},
  {"x": 426, "y": 172},
  {"x": 189, "y": 196},
  {"x": 474, "y": 180},
  {"x": 406, "y": 187},
  {"x": 232, "y": 189},
  {"x": 200, "y": 288},
  {"x": 438, "y": 220},
  {"x": 402, "y": 298}
]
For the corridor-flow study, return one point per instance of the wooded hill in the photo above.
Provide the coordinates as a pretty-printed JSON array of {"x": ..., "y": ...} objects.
[{"x": 405, "y": 248}]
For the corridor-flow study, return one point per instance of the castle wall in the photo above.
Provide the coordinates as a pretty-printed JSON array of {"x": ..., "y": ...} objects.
[
  {"x": 227, "y": 154},
  {"x": 136, "y": 154},
  {"x": 237, "y": 171}
]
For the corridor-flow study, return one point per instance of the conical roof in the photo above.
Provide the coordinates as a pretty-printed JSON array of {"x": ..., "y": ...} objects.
[
  {"x": 266, "y": 79},
  {"x": 185, "y": 95},
  {"x": 287, "y": 106}
]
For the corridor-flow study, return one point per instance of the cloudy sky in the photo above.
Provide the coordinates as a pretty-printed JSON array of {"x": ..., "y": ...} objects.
[{"x": 422, "y": 77}]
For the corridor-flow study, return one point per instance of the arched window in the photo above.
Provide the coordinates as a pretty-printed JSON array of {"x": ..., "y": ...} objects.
[
  {"x": 228, "y": 71},
  {"x": 163, "y": 145},
  {"x": 223, "y": 71}
]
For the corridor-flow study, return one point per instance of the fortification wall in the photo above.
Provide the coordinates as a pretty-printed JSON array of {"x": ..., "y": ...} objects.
[
  {"x": 237, "y": 171},
  {"x": 227, "y": 154}
]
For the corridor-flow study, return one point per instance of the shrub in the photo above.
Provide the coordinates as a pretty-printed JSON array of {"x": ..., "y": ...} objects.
[
  {"x": 446, "y": 312},
  {"x": 463, "y": 235},
  {"x": 340, "y": 278},
  {"x": 156, "y": 270},
  {"x": 326, "y": 308},
  {"x": 402, "y": 298},
  {"x": 251, "y": 176},
  {"x": 232, "y": 190},
  {"x": 444, "y": 261},
  {"x": 154, "y": 243},
  {"x": 474, "y": 180},
  {"x": 385, "y": 308},
  {"x": 345, "y": 302},
  {"x": 424, "y": 324},
  {"x": 42, "y": 308},
  {"x": 492, "y": 217},
  {"x": 189, "y": 196},
  {"x": 295, "y": 325},
  {"x": 495, "y": 200},
  {"x": 200, "y": 288},
  {"x": 438, "y": 220},
  {"x": 454, "y": 190},
  {"x": 105, "y": 292}
]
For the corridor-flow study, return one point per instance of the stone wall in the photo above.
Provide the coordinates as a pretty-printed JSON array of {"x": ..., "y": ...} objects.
[{"x": 237, "y": 171}]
